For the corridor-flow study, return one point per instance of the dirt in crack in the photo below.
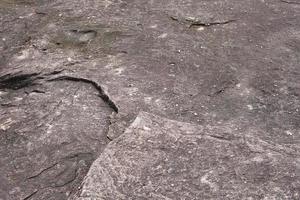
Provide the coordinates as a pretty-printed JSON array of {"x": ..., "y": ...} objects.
[{"x": 49, "y": 138}]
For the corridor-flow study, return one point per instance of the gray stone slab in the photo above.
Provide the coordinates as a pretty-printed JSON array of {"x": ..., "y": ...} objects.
[
  {"x": 157, "y": 158},
  {"x": 232, "y": 64},
  {"x": 50, "y": 134}
]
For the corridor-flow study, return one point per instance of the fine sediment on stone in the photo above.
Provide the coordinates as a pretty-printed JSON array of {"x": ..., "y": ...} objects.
[{"x": 157, "y": 158}]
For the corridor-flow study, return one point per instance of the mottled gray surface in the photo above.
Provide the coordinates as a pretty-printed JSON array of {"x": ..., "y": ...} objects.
[
  {"x": 227, "y": 63},
  {"x": 157, "y": 158},
  {"x": 50, "y": 133}
]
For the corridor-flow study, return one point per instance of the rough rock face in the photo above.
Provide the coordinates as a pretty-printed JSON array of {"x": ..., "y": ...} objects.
[
  {"x": 218, "y": 63},
  {"x": 50, "y": 133},
  {"x": 157, "y": 158}
]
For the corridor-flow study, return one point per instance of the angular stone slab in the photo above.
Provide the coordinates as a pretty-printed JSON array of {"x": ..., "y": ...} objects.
[{"x": 157, "y": 158}]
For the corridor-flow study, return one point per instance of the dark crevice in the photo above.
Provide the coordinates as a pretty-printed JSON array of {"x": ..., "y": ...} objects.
[
  {"x": 290, "y": 2},
  {"x": 31, "y": 195},
  {"x": 220, "y": 91},
  {"x": 207, "y": 24},
  {"x": 8, "y": 105},
  {"x": 46, "y": 169},
  {"x": 218, "y": 137},
  {"x": 40, "y": 13},
  {"x": 15, "y": 82},
  {"x": 84, "y": 31},
  {"x": 174, "y": 18},
  {"x": 101, "y": 92},
  {"x": 35, "y": 91},
  {"x": 19, "y": 81},
  {"x": 109, "y": 138},
  {"x": 198, "y": 23},
  {"x": 55, "y": 72}
]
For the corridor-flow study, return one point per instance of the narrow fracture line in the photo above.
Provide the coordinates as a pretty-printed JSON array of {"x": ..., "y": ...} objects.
[
  {"x": 36, "y": 175},
  {"x": 102, "y": 94},
  {"x": 207, "y": 24}
]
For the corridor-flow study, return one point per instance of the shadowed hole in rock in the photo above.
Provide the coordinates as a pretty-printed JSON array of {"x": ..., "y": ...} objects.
[{"x": 15, "y": 82}]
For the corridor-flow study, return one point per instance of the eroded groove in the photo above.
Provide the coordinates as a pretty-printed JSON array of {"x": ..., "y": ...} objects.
[
  {"x": 290, "y": 2},
  {"x": 101, "y": 92},
  {"x": 207, "y": 24}
]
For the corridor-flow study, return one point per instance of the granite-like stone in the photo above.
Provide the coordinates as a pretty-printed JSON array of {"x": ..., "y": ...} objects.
[
  {"x": 232, "y": 64},
  {"x": 157, "y": 158}
]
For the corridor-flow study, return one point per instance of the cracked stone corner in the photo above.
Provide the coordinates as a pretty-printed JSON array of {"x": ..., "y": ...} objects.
[{"x": 117, "y": 126}]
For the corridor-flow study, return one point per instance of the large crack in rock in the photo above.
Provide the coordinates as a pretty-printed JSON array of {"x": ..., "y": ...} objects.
[
  {"x": 157, "y": 158},
  {"x": 102, "y": 94},
  {"x": 50, "y": 133}
]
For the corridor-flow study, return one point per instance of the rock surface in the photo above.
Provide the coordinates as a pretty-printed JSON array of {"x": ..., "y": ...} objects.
[
  {"x": 84, "y": 69},
  {"x": 157, "y": 158},
  {"x": 50, "y": 133}
]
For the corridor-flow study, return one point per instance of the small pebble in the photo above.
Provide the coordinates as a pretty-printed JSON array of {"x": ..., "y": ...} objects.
[
  {"x": 288, "y": 132},
  {"x": 250, "y": 107}
]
